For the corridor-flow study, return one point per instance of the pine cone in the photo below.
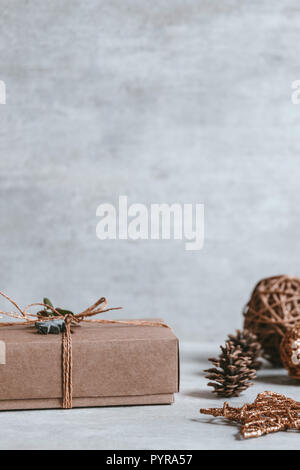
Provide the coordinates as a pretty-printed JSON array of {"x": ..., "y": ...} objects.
[
  {"x": 232, "y": 373},
  {"x": 249, "y": 345}
]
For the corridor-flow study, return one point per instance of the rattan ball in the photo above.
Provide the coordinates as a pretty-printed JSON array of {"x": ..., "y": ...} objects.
[
  {"x": 273, "y": 309},
  {"x": 290, "y": 351}
]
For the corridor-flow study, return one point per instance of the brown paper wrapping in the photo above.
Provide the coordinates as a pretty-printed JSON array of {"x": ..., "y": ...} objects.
[{"x": 112, "y": 365}]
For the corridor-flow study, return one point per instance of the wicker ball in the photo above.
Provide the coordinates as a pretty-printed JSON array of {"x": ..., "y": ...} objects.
[
  {"x": 290, "y": 351},
  {"x": 274, "y": 308}
]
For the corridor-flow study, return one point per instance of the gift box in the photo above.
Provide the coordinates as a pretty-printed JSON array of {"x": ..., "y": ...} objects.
[{"x": 112, "y": 364}]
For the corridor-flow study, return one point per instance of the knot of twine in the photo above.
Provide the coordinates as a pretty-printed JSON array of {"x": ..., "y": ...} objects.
[{"x": 67, "y": 362}]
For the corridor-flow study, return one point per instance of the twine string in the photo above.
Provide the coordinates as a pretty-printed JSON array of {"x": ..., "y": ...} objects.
[
  {"x": 67, "y": 364},
  {"x": 69, "y": 319}
]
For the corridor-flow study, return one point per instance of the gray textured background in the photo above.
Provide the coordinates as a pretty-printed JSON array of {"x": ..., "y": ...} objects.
[{"x": 163, "y": 101}]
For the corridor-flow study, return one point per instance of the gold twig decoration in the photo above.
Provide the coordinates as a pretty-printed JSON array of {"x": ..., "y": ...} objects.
[{"x": 270, "y": 412}]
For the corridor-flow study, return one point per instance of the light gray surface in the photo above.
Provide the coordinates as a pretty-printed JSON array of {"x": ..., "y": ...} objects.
[
  {"x": 181, "y": 101},
  {"x": 177, "y": 426}
]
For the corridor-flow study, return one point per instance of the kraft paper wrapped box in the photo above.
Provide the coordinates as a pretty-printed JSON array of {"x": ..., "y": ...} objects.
[{"x": 112, "y": 365}]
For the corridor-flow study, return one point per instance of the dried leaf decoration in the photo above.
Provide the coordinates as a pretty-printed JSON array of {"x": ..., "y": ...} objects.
[
  {"x": 47, "y": 312},
  {"x": 51, "y": 326}
]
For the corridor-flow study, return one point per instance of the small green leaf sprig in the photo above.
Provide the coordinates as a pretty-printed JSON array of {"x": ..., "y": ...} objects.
[{"x": 47, "y": 312}]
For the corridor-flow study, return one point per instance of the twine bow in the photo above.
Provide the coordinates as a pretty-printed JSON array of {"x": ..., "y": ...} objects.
[{"x": 85, "y": 316}]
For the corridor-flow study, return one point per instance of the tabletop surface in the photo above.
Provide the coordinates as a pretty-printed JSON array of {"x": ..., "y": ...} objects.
[{"x": 177, "y": 426}]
